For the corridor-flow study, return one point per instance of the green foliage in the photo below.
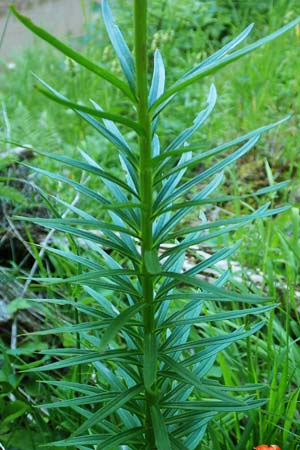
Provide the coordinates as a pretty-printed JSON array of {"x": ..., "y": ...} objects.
[{"x": 141, "y": 356}]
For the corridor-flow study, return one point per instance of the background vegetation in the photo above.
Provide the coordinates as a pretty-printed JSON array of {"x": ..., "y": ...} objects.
[{"x": 258, "y": 90}]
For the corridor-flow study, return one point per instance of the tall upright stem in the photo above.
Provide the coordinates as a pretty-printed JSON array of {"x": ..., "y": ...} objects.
[{"x": 145, "y": 185}]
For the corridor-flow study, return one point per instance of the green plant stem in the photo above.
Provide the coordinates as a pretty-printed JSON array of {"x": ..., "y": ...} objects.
[{"x": 146, "y": 181}]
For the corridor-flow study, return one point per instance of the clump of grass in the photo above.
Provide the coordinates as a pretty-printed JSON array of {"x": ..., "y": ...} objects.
[{"x": 148, "y": 360}]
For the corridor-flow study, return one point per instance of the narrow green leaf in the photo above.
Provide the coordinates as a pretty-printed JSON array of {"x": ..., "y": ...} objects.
[
  {"x": 221, "y": 223},
  {"x": 183, "y": 295},
  {"x": 221, "y": 255},
  {"x": 133, "y": 435},
  {"x": 90, "y": 357},
  {"x": 158, "y": 78},
  {"x": 88, "y": 168},
  {"x": 195, "y": 239},
  {"x": 160, "y": 235},
  {"x": 152, "y": 262},
  {"x": 191, "y": 426},
  {"x": 117, "y": 323},
  {"x": 208, "y": 287},
  {"x": 90, "y": 311},
  {"x": 112, "y": 407},
  {"x": 220, "y": 53},
  {"x": 201, "y": 117},
  {"x": 236, "y": 335},
  {"x": 212, "y": 405},
  {"x": 98, "y": 70},
  {"x": 79, "y": 401},
  {"x": 160, "y": 430},
  {"x": 107, "y": 243},
  {"x": 228, "y": 198},
  {"x": 169, "y": 185},
  {"x": 209, "y": 172},
  {"x": 62, "y": 100},
  {"x": 218, "y": 64},
  {"x": 177, "y": 444},
  {"x": 227, "y": 315},
  {"x": 212, "y": 152},
  {"x": 95, "y": 224},
  {"x": 188, "y": 416},
  {"x": 78, "y": 387},
  {"x": 150, "y": 360},
  {"x": 118, "y": 42},
  {"x": 90, "y": 439},
  {"x": 187, "y": 376}
]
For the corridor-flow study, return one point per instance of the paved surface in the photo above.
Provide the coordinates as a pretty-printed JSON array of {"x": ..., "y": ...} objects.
[
  {"x": 59, "y": 17},
  {"x": 20, "y": 4}
]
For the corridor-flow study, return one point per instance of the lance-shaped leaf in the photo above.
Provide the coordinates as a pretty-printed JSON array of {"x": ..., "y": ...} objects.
[
  {"x": 236, "y": 335},
  {"x": 83, "y": 400},
  {"x": 119, "y": 44},
  {"x": 129, "y": 214},
  {"x": 105, "y": 204},
  {"x": 104, "y": 441},
  {"x": 89, "y": 168},
  {"x": 132, "y": 436},
  {"x": 108, "y": 135},
  {"x": 119, "y": 402},
  {"x": 212, "y": 405},
  {"x": 196, "y": 239},
  {"x": 121, "y": 284},
  {"x": 211, "y": 171},
  {"x": 222, "y": 223},
  {"x": 171, "y": 182},
  {"x": 219, "y": 63},
  {"x": 150, "y": 360},
  {"x": 119, "y": 322},
  {"x": 184, "y": 375},
  {"x": 227, "y": 198},
  {"x": 158, "y": 78},
  {"x": 90, "y": 439},
  {"x": 80, "y": 59},
  {"x": 89, "y": 310},
  {"x": 111, "y": 126},
  {"x": 90, "y": 357},
  {"x": 160, "y": 430},
  {"x": 77, "y": 387},
  {"x": 221, "y": 255},
  {"x": 57, "y": 97},
  {"x": 220, "y": 53},
  {"x": 208, "y": 287},
  {"x": 201, "y": 117},
  {"x": 227, "y": 315},
  {"x": 161, "y": 233},
  {"x": 189, "y": 422},
  {"x": 130, "y": 168},
  {"x": 95, "y": 224},
  {"x": 209, "y": 153},
  {"x": 177, "y": 444}
]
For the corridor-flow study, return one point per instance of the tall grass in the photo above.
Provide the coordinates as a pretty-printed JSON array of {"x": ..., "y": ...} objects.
[{"x": 248, "y": 363}]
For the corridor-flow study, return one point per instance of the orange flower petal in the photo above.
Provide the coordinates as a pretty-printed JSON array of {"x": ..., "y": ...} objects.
[{"x": 267, "y": 447}]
